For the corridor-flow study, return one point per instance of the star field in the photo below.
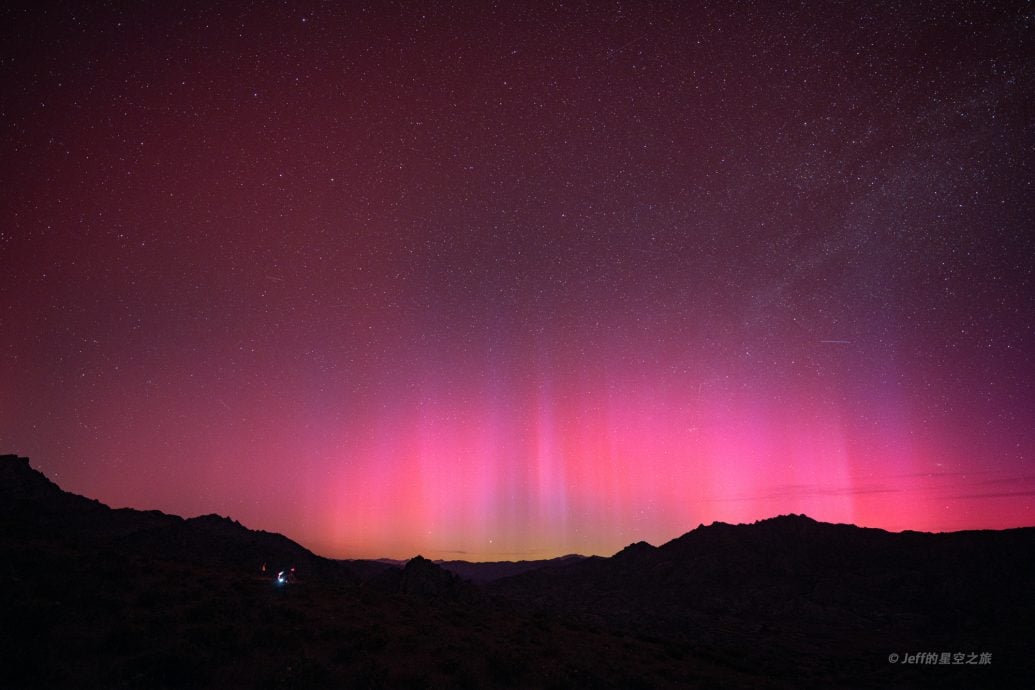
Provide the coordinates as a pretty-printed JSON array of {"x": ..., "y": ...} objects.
[{"x": 515, "y": 281}]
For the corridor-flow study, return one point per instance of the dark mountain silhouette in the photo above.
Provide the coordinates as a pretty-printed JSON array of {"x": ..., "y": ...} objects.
[
  {"x": 746, "y": 591},
  {"x": 33, "y": 507},
  {"x": 97, "y": 597},
  {"x": 481, "y": 573}
]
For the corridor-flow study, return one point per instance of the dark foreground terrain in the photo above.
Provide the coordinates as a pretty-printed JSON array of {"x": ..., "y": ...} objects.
[{"x": 95, "y": 597}]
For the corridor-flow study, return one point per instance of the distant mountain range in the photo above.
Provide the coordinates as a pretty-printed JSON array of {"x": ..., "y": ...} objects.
[
  {"x": 477, "y": 572},
  {"x": 35, "y": 503},
  {"x": 103, "y": 597}
]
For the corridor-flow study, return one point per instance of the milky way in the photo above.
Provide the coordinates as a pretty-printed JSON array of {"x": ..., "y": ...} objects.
[{"x": 502, "y": 282}]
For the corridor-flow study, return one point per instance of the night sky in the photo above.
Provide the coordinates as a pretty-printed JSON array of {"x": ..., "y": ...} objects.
[{"x": 508, "y": 280}]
